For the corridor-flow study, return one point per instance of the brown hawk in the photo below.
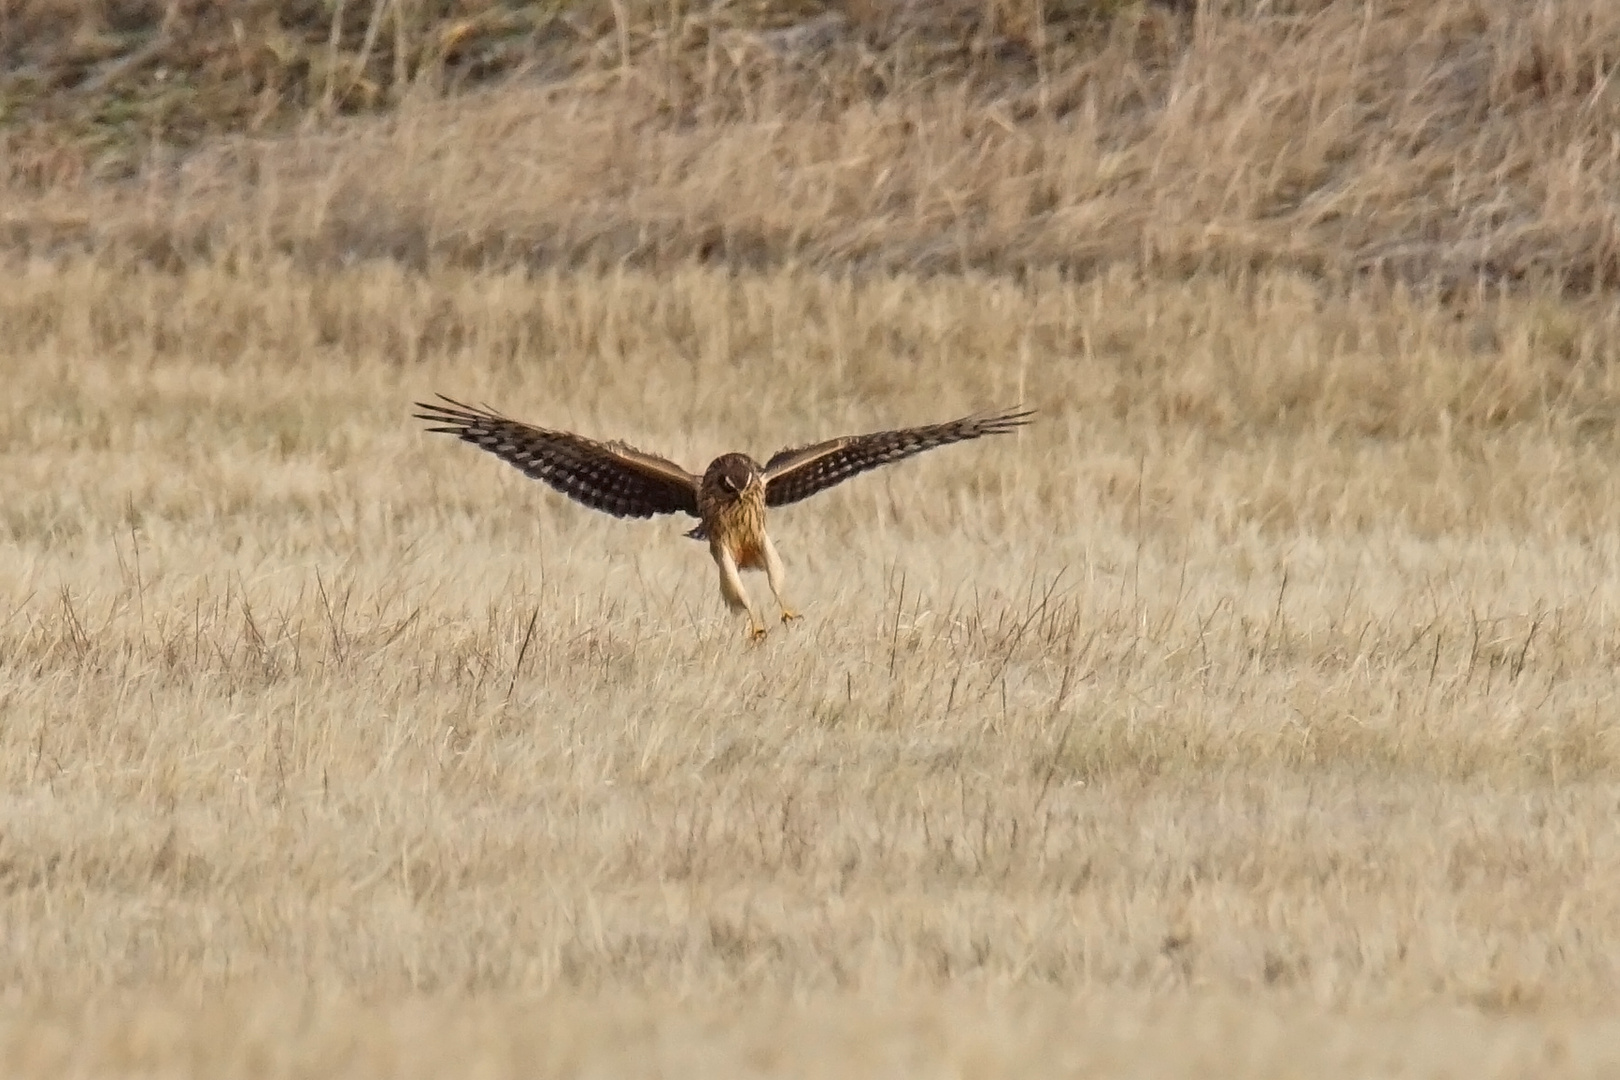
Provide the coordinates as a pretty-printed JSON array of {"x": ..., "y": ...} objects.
[{"x": 729, "y": 499}]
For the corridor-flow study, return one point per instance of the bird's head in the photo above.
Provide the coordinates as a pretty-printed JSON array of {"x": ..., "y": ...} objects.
[{"x": 731, "y": 475}]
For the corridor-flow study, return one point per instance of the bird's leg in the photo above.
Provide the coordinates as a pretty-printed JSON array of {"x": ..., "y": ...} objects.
[
  {"x": 777, "y": 577},
  {"x": 731, "y": 587}
]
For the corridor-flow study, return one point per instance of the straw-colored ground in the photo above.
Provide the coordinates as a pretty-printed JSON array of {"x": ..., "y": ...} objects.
[
  {"x": 1258, "y": 701},
  {"x": 1250, "y": 714}
]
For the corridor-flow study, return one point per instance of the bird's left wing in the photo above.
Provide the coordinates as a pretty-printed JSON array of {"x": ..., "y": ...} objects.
[
  {"x": 611, "y": 477},
  {"x": 800, "y": 472}
]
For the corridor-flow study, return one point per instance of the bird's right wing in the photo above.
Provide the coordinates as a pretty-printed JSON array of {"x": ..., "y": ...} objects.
[
  {"x": 800, "y": 472},
  {"x": 612, "y": 477}
]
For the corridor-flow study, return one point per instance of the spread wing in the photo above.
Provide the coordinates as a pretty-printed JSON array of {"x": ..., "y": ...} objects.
[
  {"x": 800, "y": 472},
  {"x": 604, "y": 476}
]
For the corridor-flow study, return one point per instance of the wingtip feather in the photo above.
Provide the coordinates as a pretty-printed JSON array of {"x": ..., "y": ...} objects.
[
  {"x": 452, "y": 412},
  {"x": 1004, "y": 420}
]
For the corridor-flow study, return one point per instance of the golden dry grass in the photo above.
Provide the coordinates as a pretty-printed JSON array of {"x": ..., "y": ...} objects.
[
  {"x": 1254, "y": 707},
  {"x": 1448, "y": 146},
  {"x": 1249, "y": 714}
]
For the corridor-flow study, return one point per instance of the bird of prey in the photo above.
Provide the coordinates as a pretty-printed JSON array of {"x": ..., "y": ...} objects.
[{"x": 729, "y": 499}]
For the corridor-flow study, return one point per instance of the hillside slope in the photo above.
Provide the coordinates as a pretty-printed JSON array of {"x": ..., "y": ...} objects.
[{"x": 1451, "y": 144}]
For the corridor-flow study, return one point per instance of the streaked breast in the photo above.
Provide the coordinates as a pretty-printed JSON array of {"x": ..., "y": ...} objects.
[{"x": 740, "y": 527}]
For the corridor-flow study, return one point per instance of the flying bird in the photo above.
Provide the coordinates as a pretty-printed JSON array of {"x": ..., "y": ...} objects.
[{"x": 729, "y": 499}]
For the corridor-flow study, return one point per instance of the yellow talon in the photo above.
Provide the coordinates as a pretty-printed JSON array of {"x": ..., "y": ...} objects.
[
  {"x": 757, "y": 633},
  {"x": 789, "y": 616}
]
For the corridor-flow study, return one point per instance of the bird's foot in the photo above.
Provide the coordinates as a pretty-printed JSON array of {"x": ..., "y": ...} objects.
[
  {"x": 789, "y": 616},
  {"x": 756, "y": 633}
]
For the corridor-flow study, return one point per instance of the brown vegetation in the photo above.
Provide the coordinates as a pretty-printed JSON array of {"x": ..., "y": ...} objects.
[
  {"x": 1453, "y": 146},
  {"x": 1274, "y": 664},
  {"x": 1246, "y": 715}
]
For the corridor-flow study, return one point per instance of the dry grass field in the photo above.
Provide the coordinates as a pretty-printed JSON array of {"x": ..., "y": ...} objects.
[
  {"x": 1252, "y": 713},
  {"x": 1258, "y": 701}
]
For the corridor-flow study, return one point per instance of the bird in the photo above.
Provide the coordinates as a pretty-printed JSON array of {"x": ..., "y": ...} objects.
[{"x": 729, "y": 499}]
